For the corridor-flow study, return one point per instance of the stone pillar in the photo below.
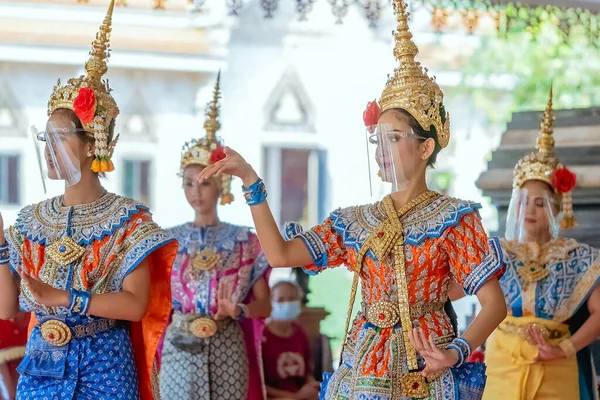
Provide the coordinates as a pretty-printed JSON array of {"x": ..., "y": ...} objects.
[{"x": 577, "y": 136}]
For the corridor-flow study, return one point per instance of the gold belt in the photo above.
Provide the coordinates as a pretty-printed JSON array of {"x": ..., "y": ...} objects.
[
  {"x": 385, "y": 314},
  {"x": 57, "y": 333},
  {"x": 513, "y": 329}
]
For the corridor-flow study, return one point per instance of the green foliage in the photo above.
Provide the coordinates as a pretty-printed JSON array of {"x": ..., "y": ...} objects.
[
  {"x": 331, "y": 290},
  {"x": 536, "y": 62}
]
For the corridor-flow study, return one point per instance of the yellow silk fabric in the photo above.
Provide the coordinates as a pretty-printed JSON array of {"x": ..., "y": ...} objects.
[{"x": 513, "y": 373}]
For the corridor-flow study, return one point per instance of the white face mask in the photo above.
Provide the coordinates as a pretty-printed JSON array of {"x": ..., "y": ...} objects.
[{"x": 286, "y": 310}]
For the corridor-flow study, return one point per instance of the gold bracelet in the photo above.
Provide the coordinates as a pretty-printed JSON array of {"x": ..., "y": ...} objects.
[{"x": 567, "y": 346}]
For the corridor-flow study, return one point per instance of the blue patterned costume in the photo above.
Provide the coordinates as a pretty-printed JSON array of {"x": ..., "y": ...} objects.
[{"x": 98, "y": 362}]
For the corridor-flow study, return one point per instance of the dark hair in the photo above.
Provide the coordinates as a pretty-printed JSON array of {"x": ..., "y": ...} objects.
[
  {"x": 418, "y": 130},
  {"x": 70, "y": 114}
]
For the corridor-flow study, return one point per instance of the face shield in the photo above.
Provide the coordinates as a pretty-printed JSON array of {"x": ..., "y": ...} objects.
[
  {"x": 393, "y": 159},
  {"x": 56, "y": 150},
  {"x": 532, "y": 217}
]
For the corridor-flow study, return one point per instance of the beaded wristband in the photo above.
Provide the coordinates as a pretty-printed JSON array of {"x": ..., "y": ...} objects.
[
  {"x": 464, "y": 346},
  {"x": 4, "y": 254},
  {"x": 256, "y": 193},
  {"x": 461, "y": 356},
  {"x": 79, "y": 301}
]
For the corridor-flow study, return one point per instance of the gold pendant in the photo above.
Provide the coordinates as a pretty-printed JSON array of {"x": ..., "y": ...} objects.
[
  {"x": 414, "y": 386},
  {"x": 205, "y": 260},
  {"x": 65, "y": 251},
  {"x": 532, "y": 272}
]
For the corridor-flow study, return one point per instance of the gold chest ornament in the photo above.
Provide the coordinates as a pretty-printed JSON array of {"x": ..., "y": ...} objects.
[
  {"x": 65, "y": 251},
  {"x": 532, "y": 272},
  {"x": 205, "y": 260}
]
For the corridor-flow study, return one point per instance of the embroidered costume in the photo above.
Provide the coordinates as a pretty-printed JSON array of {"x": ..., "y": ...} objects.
[
  {"x": 404, "y": 259},
  {"x": 89, "y": 250},
  {"x": 545, "y": 287},
  {"x": 409, "y": 254},
  {"x": 72, "y": 356},
  {"x": 204, "y": 358}
]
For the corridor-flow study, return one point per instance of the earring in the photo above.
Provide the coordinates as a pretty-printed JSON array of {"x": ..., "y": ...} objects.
[{"x": 89, "y": 154}]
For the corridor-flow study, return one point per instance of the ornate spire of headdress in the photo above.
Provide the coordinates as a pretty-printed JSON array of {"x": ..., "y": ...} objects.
[
  {"x": 209, "y": 149},
  {"x": 410, "y": 88},
  {"x": 96, "y": 67},
  {"x": 543, "y": 165},
  {"x": 212, "y": 125},
  {"x": 89, "y": 97}
]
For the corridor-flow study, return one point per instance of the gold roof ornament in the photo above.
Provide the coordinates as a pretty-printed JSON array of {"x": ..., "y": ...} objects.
[
  {"x": 89, "y": 96},
  {"x": 543, "y": 165},
  {"x": 208, "y": 149},
  {"x": 410, "y": 88}
]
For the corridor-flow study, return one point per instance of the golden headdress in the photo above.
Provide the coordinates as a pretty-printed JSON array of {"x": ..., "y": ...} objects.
[
  {"x": 209, "y": 149},
  {"x": 89, "y": 97},
  {"x": 543, "y": 165},
  {"x": 410, "y": 88}
]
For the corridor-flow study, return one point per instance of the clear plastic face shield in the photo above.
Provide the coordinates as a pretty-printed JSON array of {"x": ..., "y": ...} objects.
[
  {"x": 57, "y": 153},
  {"x": 393, "y": 159},
  {"x": 533, "y": 216}
]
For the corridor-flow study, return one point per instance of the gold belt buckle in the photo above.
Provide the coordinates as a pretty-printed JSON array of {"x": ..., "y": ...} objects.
[
  {"x": 203, "y": 328},
  {"x": 55, "y": 332},
  {"x": 383, "y": 314}
]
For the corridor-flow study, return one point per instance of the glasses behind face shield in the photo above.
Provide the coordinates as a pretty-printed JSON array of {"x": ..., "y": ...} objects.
[
  {"x": 392, "y": 136},
  {"x": 44, "y": 136}
]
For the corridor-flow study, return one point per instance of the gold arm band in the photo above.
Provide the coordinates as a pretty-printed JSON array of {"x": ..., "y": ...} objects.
[
  {"x": 11, "y": 354},
  {"x": 567, "y": 346}
]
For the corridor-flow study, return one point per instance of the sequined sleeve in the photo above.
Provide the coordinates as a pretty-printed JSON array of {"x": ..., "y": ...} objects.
[
  {"x": 141, "y": 238},
  {"x": 260, "y": 265},
  {"x": 324, "y": 242},
  {"x": 473, "y": 258},
  {"x": 15, "y": 241}
]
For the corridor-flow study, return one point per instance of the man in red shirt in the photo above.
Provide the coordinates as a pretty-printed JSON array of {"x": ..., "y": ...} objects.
[{"x": 286, "y": 350}]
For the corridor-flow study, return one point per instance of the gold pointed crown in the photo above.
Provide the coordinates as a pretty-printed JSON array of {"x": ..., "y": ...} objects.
[
  {"x": 541, "y": 164},
  {"x": 209, "y": 149},
  {"x": 89, "y": 97},
  {"x": 410, "y": 88}
]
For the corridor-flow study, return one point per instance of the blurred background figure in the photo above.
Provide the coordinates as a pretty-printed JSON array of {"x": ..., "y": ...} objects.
[{"x": 287, "y": 359}]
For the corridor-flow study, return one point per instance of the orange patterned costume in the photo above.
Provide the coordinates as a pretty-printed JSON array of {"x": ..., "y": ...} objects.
[{"x": 440, "y": 239}]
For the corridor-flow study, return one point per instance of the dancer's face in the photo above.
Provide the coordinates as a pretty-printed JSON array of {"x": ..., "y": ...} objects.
[{"x": 202, "y": 196}]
